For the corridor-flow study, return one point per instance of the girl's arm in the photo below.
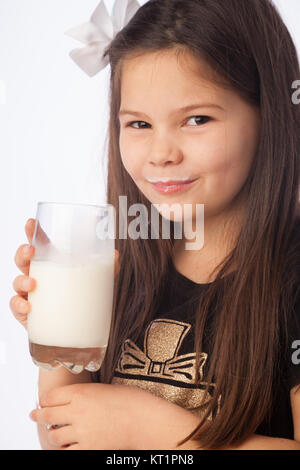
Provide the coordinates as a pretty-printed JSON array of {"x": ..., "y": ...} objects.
[
  {"x": 113, "y": 416},
  {"x": 49, "y": 380},
  {"x": 254, "y": 442},
  {"x": 259, "y": 442}
]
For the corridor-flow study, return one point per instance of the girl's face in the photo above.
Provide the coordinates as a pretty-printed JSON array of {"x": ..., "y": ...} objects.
[{"x": 214, "y": 143}]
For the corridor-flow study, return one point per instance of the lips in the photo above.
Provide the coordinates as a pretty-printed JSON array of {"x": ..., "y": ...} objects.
[
  {"x": 172, "y": 182},
  {"x": 170, "y": 187}
]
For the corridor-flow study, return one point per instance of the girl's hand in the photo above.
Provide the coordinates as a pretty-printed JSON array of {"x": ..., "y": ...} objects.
[
  {"x": 19, "y": 304},
  {"x": 98, "y": 416}
]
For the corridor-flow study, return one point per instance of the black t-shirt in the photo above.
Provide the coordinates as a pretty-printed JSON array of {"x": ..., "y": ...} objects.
[{"x": 162, "y": 360}]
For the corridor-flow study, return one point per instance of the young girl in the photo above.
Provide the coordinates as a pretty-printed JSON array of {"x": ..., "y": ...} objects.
[{"x": 202, "y": 352}]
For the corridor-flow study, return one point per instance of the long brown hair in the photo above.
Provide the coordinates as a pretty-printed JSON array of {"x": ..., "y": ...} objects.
[{"x": 247, "y": 46}]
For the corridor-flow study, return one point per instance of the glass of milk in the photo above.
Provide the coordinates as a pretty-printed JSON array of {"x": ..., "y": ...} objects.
[{"x": 73, "y": 265}]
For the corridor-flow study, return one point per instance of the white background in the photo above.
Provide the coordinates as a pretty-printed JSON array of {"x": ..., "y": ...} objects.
[{"x": 53, "y": 123}]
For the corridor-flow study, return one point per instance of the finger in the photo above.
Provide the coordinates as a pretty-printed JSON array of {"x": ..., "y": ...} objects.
[
  {"x": 51, "y": 415},
  {"x": 24, "y": 284},
  {"x": 40, "y": 235},
  {"x": 29, "y": 229},
  {"x": 74, "y": 446},
  {"x": 62, "y": 436},
  {"x": 58, "y": 396},
  {"x": 23, "y": 256},
  {"x": 20, "y": 308},
  {"x": 25, "y": 253}
]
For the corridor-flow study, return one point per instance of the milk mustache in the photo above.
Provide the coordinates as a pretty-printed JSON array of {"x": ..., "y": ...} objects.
[{"x": 71, "y": 309}]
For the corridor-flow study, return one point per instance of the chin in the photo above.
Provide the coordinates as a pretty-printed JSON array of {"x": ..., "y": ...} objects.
[{"x": 172, "y": 214}]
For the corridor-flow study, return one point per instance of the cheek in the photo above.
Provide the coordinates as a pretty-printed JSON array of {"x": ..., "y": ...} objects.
[
  {"x": 239, "y": 157},
  {"x": 130, "y": 156},
  {"x": 225, "y": 161}
]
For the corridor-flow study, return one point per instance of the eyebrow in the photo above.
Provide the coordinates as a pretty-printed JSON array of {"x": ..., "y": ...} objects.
[{"x": 184, "y": 109}]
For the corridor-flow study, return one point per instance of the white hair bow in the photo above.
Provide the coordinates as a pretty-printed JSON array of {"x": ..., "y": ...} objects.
[{"x": 99, "y": 32}]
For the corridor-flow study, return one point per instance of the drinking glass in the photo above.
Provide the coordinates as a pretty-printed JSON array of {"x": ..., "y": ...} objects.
[{"x": 73, "y": 266}]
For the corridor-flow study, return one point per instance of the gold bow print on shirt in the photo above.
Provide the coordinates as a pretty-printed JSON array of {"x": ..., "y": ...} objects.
[{"x": 159, "y": 365}]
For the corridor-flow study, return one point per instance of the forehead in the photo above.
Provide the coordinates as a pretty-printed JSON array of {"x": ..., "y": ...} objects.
[{"x": 168, "y": 77}]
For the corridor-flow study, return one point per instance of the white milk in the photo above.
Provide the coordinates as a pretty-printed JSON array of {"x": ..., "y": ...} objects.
[{"x": 71, "y": 304}]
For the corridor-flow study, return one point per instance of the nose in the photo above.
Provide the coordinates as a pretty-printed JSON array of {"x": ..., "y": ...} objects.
[{"x": 164, "y": 150}]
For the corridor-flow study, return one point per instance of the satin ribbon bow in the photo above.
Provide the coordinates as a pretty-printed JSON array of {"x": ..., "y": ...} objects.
[{"x": 98, "y": 33}]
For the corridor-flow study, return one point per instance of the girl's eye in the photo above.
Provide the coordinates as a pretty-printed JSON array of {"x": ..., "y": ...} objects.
[
  {"x": 204, "y": 119},
  {"x": 133, "y": 122}
]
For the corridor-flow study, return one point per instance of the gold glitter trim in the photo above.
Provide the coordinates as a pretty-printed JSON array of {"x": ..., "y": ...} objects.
[{"x": 160, "y": 360}]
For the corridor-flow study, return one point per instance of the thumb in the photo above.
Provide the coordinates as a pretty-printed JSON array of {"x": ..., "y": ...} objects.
[{"x": 40, "y": 234}]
